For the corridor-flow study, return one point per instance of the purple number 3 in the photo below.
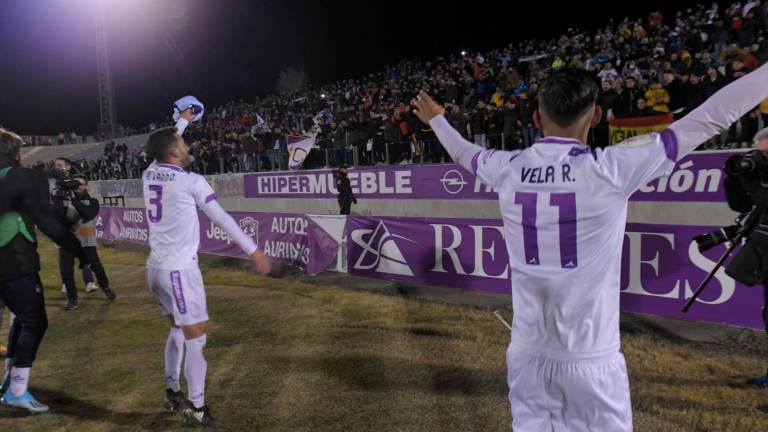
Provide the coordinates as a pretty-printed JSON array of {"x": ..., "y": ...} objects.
[
  {"x": 566, "y": 205},
  {"x": 157, "y": 202}
]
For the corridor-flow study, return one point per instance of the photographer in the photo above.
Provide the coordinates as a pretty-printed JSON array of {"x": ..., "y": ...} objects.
[
  {"x": 746, "y": 187},
  {"x": 24, "y": 203},
  {"x": 79, "y": 210},
  {"x": 63, "y": 170}
]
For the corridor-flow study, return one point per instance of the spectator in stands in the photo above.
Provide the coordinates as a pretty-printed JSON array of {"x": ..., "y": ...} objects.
[
  {"x": 526, "y": 119},
  {"x": 607, "y": 100},
  {"x": 608, "y": 72},
  {"x": 656, "y": 97},
  {"x": 478, "y": 123},
  {"x": 695, "y": 93},
  {"x": 764, "y": 111},
  {"x": 676, "y": 91},
  {"x": 626, "y": 106},
  {"x": 495, "y": 127},
  {"x": 511, "y": 119},
  {"x": 688, "y": 44},
  {"x": 642, "y": 109},
  {"x": 736, "y": 70},
  {"x": 713, "y": 82},
  {"x": 338, "y": 140}
]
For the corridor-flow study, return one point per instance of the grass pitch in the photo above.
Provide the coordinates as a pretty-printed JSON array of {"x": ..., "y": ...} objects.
[{"x": 287, "y": 356}]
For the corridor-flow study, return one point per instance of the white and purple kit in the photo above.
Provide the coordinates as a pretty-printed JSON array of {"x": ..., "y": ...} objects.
[
  {"x": 172, "y": 197},
  {"x": 564, "y": 208}
]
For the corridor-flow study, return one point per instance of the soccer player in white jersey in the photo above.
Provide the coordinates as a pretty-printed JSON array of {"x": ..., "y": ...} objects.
[
  {"x": 172, "y": 197},
  {"x": 564, "y": 208}
]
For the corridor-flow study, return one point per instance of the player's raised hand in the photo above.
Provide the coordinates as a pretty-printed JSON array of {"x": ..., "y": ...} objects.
[
  {"x": 426, "y": 108},
  {"x": 261, "y": 262}
]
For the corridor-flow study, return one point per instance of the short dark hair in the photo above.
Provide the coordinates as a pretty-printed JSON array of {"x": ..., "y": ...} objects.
[
  {"x": 566, "y": 94},
  {"x": 67, "y": 161},
  {"x": 10, "y": 143},
  {"x": 160, "y": 143},
  {"x": 81, "y": 177}
]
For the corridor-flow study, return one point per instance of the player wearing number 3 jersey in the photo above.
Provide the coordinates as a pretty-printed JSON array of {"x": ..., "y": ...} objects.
[
  {"x": 172, "y": 197},
  {"x": 564, "y": 208}
]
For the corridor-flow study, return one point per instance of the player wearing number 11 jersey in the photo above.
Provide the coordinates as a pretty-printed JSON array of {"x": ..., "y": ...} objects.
[
  {"x": 172, "y": 197},
  {"x": 564, "y": 208}
]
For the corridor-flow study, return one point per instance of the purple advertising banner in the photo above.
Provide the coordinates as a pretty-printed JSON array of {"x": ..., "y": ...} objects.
[
  {"x": 286, "y": 238},
  {"x": 661, "y": 265},
  {"x": 395, "y": 182},
  {"x": 697, "y": 177}
]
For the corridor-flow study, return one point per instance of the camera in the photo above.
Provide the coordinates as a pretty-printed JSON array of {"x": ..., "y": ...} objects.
[
  {"x": 707, "y": 241},
  {"x": 753, "y": 164},
  {"x": 67, "y": 184}
]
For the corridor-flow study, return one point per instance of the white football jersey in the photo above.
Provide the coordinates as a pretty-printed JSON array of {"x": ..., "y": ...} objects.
[
  {"x": 172, "y": 197},
  {"x": 564, "y": 208}
]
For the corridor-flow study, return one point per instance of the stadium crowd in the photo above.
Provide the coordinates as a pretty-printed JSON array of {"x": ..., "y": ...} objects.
[{"x": 651, "y": 66}]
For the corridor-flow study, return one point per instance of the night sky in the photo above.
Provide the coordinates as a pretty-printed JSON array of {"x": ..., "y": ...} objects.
[{"x": 221, "y": 50}]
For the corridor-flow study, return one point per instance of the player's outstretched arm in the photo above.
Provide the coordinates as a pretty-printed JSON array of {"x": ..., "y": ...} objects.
[
  {"x": 720, "y": 111},
  {"x": 219, "y": 216}
]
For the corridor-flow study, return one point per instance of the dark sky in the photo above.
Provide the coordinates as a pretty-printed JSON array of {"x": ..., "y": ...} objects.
[{"x": 220, "y": 50}]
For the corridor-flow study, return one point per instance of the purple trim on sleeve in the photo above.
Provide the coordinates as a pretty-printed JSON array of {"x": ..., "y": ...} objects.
[
  {"x": 474, "y": 162},
  {"x": 211, "y": 197},
  {"x": 669, "y": 139}
]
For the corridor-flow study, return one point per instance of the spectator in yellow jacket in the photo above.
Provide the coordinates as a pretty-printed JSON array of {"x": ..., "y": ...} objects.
[
  {"x": 657, "y": 97},
  {"x": 764, "y": 111},
  {"x": 498, "y": 98}
]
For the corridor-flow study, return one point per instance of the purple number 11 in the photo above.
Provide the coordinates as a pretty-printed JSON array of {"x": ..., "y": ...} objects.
[{"x": 566, "y": 205}]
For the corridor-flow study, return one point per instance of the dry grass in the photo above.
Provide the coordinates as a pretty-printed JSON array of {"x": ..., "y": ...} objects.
[{"x": 285, "y": 356}]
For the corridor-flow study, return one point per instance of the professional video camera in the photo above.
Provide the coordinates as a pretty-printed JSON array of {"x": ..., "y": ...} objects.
[
  {"x": 750, "y": 265},
  {"x": 753, "y": 164},
  {"x": 67, "y": 184}
]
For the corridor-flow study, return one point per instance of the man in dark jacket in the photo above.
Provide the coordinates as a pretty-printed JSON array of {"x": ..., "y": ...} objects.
[
  {"x": 78, "y": 209},
  {"x": 526, "y": 109},
  {"x": 676, "y": 90},
  {"x": 510, "y": 117},
  {"x": 626, "y": 106},
  {"x": 607, "y": 99},
  {"x": 24, "y": 204},
  {"x": 695, "y": 93},
  {"x": 343, "y": 186}
]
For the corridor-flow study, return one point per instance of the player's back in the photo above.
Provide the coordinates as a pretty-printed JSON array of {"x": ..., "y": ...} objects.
[
  {"x": 174, "y": 228},
  {"x": 564, "y": 208}
]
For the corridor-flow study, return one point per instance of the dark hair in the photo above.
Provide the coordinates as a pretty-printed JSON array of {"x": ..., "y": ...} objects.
[
  {"x": 81, "y": 177},
  {"x": 566, "y": 94},
  {"x": 10, "y": 143},
  {"x": 160, "y": 143},
  {"x": 67, "y": 161}
]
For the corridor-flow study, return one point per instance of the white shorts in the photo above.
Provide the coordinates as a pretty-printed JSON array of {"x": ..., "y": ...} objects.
[
  {"x": 579, "y": 395},
  {"x": 179, "y": 293}
]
